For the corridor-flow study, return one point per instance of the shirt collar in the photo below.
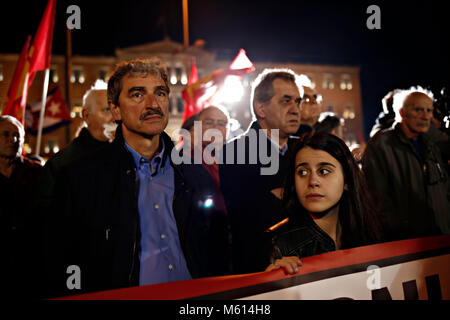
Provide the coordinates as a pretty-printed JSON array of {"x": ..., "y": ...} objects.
[
  {"x": 282, "y": 150},
  {"x": 140, "y": 161}
]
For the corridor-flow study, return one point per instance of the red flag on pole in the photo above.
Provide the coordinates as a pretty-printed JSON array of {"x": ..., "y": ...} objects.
[
  {"x": 41, "y": 49},
  {"x": 40, "y": 54},
  {"x": 201, "y": 93},
  {"x": 14, "y": 106},
  {"x": 189, "y": 108}
]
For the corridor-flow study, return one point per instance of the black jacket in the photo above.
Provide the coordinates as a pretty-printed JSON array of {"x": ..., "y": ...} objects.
[
  {"x": 250, "y": 203},
  {"x": 300, "y": 237},
  {"x": 413, "y": 188},
  {"x": 94, "y": 221}
]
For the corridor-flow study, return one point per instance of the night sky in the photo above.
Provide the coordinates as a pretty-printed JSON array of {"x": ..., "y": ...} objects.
[{"x": 409, "y": 49}]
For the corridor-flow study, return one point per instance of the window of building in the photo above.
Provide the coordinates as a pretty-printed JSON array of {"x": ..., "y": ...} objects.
[
  {"x": 172, "y": 75},
  {"x": 346, "y": 83},
  {"x": 77, "y": 75},
  {"x": 180, "y": 105},
  {"x": 77, "y": 110},
  {"x": 328, "y": 82},
  {"x": 1, "y": 73},
  {"x": 54, "y": 77},
  {"x": 349, "y": 112},
  {"x": 51, "y": 146},
  {"x": 103, "y": 73}
]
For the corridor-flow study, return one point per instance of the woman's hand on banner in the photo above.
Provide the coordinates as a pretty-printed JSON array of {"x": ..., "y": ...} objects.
[{"x": 289, "y": 264}]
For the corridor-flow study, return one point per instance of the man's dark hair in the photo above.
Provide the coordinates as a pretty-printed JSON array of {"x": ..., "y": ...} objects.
[
  {"x": 262, "y": 87},
  {"x": 136, "y": 67}
]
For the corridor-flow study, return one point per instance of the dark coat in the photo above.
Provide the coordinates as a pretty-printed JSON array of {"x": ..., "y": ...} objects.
[
  {"x": 213, "y": 240},
  {"x": 413, "y": 188},
  {"x": 82, "y": 146},
  {"x": 94, "y": 221},
  {"x": 18, "y": 227},
  {"x": 251, "y": 206},
  {"x": 300, "y": 237}
]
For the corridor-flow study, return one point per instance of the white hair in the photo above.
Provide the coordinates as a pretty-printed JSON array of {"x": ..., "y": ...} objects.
[
  {"x": 98, "y": 86},
  {"x": 401, "y": 95},
  {"x": 304, "y": 81},
  {"x": 17, "y": 123}
]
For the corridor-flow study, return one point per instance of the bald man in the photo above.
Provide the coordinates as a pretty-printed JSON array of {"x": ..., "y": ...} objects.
[{"x": 405, "y": 167}]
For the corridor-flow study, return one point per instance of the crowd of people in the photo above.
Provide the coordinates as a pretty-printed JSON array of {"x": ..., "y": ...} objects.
[{"x": 121, "y": 206}]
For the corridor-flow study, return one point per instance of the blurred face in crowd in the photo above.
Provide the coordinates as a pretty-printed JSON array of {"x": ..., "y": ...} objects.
[
  {"x": 10, "y": 140},
  {"x": 213, "y": 118},
  {"x": 97, "y": 114},
  {"x": 319, "y": 180},
  {"x": 310, "y": 107},
  {"x": 282, "y": 111},
  {"x": 143, "y": 105},
  {"x": 416, "y": 113}
]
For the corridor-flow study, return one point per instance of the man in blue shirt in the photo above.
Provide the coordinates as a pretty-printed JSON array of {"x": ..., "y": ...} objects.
[{"x": 128, "y": 214}]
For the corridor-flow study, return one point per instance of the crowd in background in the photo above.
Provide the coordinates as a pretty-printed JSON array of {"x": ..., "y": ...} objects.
[{"x": 115, "y": 203}]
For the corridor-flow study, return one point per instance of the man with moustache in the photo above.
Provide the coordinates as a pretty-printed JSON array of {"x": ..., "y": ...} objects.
[
  {"x": 405, "y": 168},
  {"x": 252, "y": 197},
  {"x": 124, "y": 215}
]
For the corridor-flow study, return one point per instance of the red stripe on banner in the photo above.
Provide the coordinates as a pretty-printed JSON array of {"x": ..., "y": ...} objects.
[{"x": 331, "y": 260}]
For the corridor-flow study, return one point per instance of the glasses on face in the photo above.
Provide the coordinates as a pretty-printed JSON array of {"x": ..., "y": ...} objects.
[
  {"x": 315, "y": 98},
  {"x": 212, "y": 122}
]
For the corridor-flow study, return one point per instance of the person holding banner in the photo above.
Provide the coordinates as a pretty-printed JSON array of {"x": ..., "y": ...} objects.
[
  {"x": 327, "y": 202},
  {"x": 251, "y": 192}
]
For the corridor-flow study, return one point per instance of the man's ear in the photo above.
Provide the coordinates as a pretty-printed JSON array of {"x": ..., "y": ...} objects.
[
  {"x": 401, "y": 112},
  {"x": 259, "y": 109},
  {"x": 115, "y": 111},
  {"x": 85, "y": 114}
]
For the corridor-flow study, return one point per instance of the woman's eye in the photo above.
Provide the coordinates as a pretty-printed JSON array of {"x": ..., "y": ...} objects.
[
  {"x": 302, "y": 172},
  {"x": 324, "y": 172}
]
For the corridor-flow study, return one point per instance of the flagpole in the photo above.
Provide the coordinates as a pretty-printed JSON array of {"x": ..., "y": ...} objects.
[
  {"x": 42, "y": 113},
  {"x": 185, "y": 23}
]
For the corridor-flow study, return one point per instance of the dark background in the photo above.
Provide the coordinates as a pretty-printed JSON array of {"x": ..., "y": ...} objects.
[{"x": 410, "y": 49}]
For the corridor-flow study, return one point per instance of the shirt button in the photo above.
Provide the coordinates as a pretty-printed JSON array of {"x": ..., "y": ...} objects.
[
  {"x": 170, "y": 267},
  {"x": 163, "y": 236},
  {"x": 156, "y": 206}
]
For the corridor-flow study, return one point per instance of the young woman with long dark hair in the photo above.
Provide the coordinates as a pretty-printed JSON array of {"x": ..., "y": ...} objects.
[{"x": 327, "y": 202}]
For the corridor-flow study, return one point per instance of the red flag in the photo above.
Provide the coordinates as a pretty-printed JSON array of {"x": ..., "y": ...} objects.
[
  {"x": 56, "y": 114},
  {"x": 40, "y": 51},
  {"x": 201, "y": 93},
  {"x": 189, "y": 108},
  {"x": 17, "y": 96}
]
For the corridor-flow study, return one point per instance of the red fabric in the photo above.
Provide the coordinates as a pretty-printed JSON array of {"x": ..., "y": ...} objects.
[
  {"x": 41, "y": 49},
  {"x": 199, "y": 287},
  {"x": 55, "y": 112},
  {"x": 14, "y": 107},
  {"x": 189, "y": 108},
  {"x": 199, "y": 94}
]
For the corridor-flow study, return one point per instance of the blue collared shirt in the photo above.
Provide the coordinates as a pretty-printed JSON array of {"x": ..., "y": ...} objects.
[{"x": 161, "y": 258}]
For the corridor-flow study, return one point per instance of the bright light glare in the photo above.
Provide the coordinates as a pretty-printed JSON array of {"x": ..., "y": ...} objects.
[
  {"x": 184, "y": 79},
  {"x": 208, "y": 203},
  {"x": 232, "y": 90}
]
